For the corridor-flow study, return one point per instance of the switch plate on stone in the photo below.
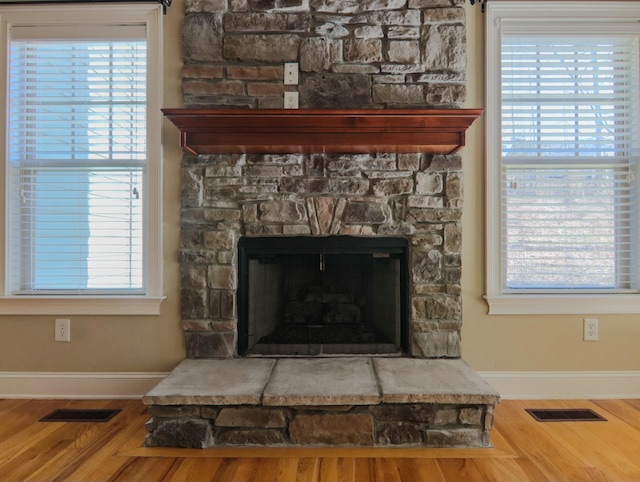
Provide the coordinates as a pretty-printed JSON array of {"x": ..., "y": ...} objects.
[{"x": 291, "y": 73}]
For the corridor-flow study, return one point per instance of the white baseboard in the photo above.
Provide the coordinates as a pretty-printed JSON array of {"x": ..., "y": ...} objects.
[
  {"x": 510, "y": 385},
  {"x": 564, "y": 385},
  {"x": 77, "y": 385}
]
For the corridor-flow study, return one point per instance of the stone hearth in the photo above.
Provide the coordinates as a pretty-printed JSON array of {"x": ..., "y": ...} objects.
[{"x": 356, "y": 401}]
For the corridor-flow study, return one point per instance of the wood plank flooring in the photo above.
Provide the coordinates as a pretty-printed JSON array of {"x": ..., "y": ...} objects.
[{"x": 524, "y": 450}]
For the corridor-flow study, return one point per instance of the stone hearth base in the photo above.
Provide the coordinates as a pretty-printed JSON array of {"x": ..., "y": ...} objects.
[{"x": 341, "y": 401}]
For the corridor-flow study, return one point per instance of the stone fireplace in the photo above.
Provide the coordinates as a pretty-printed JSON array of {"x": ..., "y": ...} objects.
[
  {"x": 385, "y": 54},
  {"x": 386, "y": 214},
  {"x": 365, "y": 196},
  {"x": 414, "y": 197}
]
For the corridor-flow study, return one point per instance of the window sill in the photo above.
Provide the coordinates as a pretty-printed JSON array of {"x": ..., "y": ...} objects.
[
  {"x": 75, "y": 305},
  {"x": 563, "y": 304}
]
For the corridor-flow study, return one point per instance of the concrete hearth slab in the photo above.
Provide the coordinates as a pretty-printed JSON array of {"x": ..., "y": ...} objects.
[
  {"x": 213, "y": 382},
  {"x": 411, "y": 380},
  {"x": 322, "y": 381}
]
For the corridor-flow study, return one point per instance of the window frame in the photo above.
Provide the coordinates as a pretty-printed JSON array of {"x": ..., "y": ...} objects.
[
  {"x": 84, "y": 17},
  {"x": 503, "y": 15}
]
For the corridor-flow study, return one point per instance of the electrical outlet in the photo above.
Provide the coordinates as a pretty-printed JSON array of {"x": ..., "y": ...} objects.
[
  {"x": 291, "y": 73},
  {"x": 291, "y": 100},
  {"x": 63, "y": 330},
  {"x": 590, "y": 329}
]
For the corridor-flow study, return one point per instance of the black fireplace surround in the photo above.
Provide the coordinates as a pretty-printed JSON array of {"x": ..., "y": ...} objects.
[{"x": 322, "y": 295}]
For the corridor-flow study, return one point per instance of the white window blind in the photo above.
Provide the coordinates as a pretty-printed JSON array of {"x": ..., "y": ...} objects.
[
  {"x": 569, "y": 126},
  {"x": 77, "y": 165}
]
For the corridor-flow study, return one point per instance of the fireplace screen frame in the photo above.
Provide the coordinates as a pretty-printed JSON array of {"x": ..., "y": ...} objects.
[{"x": 250, "y": 247}]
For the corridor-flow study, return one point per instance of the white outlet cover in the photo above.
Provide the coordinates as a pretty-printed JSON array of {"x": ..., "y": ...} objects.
[
  {"x": 291, "y": 100},
  {"x": 590, "y": 329},
  {"x": 62, "y": 330}
]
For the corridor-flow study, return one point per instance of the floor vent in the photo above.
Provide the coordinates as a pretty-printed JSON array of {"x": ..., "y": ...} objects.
[
  {"x": 565, "y": 415},
  {"x": 80, "y": 415}
]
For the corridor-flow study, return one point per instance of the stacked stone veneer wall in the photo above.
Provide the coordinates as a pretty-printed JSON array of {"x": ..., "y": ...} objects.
[
  {"x": 352, "y": 54},
  {"x": 431, "y": 425}
]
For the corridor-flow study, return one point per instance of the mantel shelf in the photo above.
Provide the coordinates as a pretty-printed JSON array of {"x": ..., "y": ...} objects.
[{"x": 281, "y": 131}]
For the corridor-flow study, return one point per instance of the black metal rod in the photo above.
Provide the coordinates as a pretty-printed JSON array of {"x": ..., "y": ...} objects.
[{"x": 164, "y": 3}]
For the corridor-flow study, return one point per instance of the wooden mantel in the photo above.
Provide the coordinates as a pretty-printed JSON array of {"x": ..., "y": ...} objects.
[{"x": 280, "y": 131}]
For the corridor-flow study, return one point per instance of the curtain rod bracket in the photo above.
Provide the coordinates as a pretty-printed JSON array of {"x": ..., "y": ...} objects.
[{"x": 482, "y": 2}]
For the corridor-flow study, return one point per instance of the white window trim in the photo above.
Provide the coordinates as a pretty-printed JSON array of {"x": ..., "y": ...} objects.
[
  {"x": 498, "y": 13},
  {"x": 75, "y": 16}
]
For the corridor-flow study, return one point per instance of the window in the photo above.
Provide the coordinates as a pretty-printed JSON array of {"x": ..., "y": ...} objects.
[
  {"x": 82, "y": 159},
  {"x": 563, "y": 135}
]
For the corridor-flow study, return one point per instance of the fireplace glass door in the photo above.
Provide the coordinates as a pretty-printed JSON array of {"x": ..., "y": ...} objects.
[{"x": 322, "y": 295}]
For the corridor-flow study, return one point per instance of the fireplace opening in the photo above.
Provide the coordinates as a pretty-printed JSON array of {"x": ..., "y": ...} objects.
[{"x": 322, "y": 295}]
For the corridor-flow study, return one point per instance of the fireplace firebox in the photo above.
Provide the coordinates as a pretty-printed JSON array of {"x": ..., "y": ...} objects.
[{"x": 322, "y": 295}]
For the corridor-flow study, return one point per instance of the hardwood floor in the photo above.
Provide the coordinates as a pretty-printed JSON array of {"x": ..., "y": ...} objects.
[{"x": 523, "y": 450}]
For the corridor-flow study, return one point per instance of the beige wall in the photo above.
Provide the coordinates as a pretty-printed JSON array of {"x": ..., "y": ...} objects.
[{"x": 155, "y": 344}]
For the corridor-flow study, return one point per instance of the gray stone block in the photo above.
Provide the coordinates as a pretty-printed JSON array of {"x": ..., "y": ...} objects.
[
  {"x": 399, "y": 433},
  {"x": 252, "y": 417},
  {"x": 262, "y": 48},
  {"x": 332, "y": 429},
  {"x": 184, "y": 433},
  {"x": 407, "y": 412},
  {"x": 282, "y": 211},
  {"x": 404, "y": 51},
  {"x": 444, "y": 307},
  {"x": 445, "y": 48},
  {"x": 222, "y": 277},
  {"x": 471, "y": 416},
  {"x": 315, "y": 55},
  {"x": 398, "y": 94},
  {"x": 445, "y": 416},
  {"x": 358, "y": 212},
  {"x": 193, "y": 303},
  {"x": 210, "y": 345},
  {"x": 256, "y": 22},
  {"x": 336, "y": 91},
  {"x": 251, "y": 437},
  {"x": 202, "y": 38},
  {"x": 460, "y": 437},
  {"x": 426, "y": 266}
]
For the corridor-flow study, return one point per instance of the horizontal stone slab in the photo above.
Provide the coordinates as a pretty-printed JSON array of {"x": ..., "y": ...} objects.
[
  {"x": 331, "y": 381},
  {"x": 232, "y": 381},
  {"x": 322, "y": 381},
  {"x": 332, "y": 429},
  {"x": 413, "y": 380}
]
